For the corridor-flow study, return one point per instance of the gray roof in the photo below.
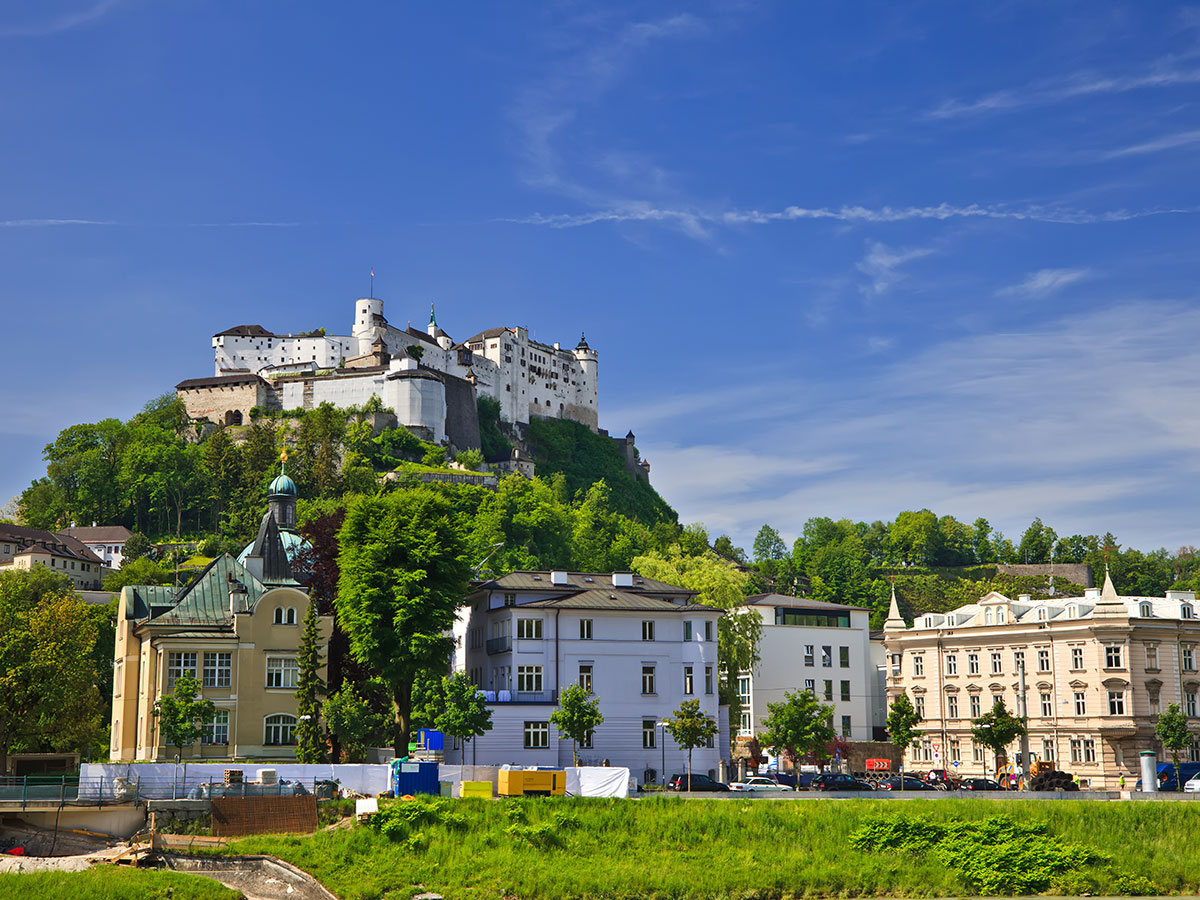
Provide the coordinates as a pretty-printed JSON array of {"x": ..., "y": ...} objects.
[
  {"x": 268, "y": 545},
  {"x": 34, "y": 539},
  {"x": 219, "y": 381},
  {"x": 247, "y": 331},
  {"x": 98, "y": 534},
  {"x": 616, "y": 599},
  {"x": 797, "y": 603},
  {"x": 579, "y": 581}
]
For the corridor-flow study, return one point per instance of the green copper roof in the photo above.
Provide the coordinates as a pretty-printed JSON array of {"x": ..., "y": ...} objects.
[
  {"x": 205, "y": 601},
  {"x": 282, "y": 485}
]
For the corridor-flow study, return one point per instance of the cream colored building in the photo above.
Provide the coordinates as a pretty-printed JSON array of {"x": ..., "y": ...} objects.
[
  {"x": 236, "y": 628},
  {"x": 24, "y": 548},
  {"x": 1098, "y": 671}
]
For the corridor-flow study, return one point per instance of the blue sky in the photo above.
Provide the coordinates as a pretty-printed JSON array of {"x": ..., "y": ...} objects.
[{"x": 838, "y": 259}]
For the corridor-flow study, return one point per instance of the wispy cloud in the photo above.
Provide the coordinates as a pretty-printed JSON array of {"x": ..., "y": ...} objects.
[
  {"x": 1167, "y": 142},
  {"x": 882, "y": 265},
  {"x": 61, "y": 22},
  {"x": 50, "y": 223},
  {"x": 699, "y": 218},
  {"x": 1048, "y": 92},
  {"x": 1044, "y": 282}
]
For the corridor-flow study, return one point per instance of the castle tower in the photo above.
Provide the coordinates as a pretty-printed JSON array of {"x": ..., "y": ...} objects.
[
  {"x": 588, "y": 392},
  {"x": 368, "y": 323}
]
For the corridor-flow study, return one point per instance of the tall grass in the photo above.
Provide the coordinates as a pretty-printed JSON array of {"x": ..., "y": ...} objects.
[
  {"x": 112, "y": 883},
  {"x": 668, "y": 849}
]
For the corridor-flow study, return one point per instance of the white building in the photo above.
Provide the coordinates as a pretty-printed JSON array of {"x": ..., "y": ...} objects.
[
  {"x": 526, "y": 377},
  {"x": 642, "y": 647},
  {"x": 819, "y": 647},
  {"x": 106, "y": 541}
]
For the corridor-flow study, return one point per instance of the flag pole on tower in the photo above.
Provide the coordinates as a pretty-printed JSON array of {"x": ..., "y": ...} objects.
[{"x": 372, "y": 295}]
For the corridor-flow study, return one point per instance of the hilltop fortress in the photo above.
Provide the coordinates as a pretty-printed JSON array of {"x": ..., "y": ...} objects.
[{"x": 428, "y": 380}]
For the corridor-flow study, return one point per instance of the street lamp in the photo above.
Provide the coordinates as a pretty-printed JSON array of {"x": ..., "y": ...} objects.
[{"x": 662, "y": 743}]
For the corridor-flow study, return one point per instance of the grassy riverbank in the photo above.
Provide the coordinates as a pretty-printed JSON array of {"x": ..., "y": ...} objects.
[
  {"x": 112, "y": 883},
  {"x": 695, "y": 850}
]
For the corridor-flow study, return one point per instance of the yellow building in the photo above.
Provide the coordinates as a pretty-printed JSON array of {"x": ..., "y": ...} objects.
[
  {"x": 236, "y": 628},
  {"x": 24, "y": 548}
]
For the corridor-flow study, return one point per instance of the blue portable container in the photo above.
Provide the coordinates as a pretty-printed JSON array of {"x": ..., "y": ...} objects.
[
  {"x": 432, "y": 740},
  {"x": 414, "y": 778}
]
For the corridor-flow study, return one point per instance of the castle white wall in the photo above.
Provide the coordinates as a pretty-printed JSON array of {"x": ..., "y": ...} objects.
[{"x": 261, "y": 352}]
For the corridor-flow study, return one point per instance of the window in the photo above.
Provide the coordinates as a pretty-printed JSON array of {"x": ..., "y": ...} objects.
[
  {"x": 845, "y": 691},
  {"x": 955, "y": 752},
  {"x": 687, "y": 631},
  {"x": 1112, "y": 657},
  {"x": 896, "y": 657},
  {"x": 1048, "y": 750},
  {"x": 743, "y": 689},
  {"x": 217, "y": 668},
  {"x": 1189, "y": 659},
  {"x": 1047, "y": 706},
  {"x": 1189, "y": 703},
  {"x": 586, "y": 742},
  {"x": 1186, "y": 611},
  {"x": 529, "y": 679},
  {"x": 649, "y": 726},
  {"x": 688, "y": 683},
  {"x": 647, "y": 679},
  {"x": 920, "y": 705},
  {"x": 1043, "y": 614},
  {"x": 976, "y": 704},
  {"x": 1151, "y": 656},
  {"x": 216, "y": 729},
  {"x": 845, "y": 726},
  {"x": 972, "y": 663},
  {"x": 1076, "y": 657},
  {"x": 744, "y": 724},
  {"x": 828, "y": 689},
  {"x": 1076, "y": 750},
  {"x": 280, "y": 729},
  {"x": 844, "y": 657},
  {"x": 708, "y": 679},
  {"x": 708, "y": 631},
  {"x": 810, "y": 685},
  {"x": 585, "y": 678},
  {"x": 997, "y": 666},
  {"x": 827, "y": 656},
  {"x": 647, "y": 630},
  {"x": 918, "y": 666},
  {"x": 282, "y": 671},
  {"x": 510, "y": 599},
  {"x": 809, "y": 659},
  {"x": 1080, "y": 703},
  {"x": 952, "y": 706},
  {"x": 285, "y": 616},
  {"x": 1018, "y": 660},
  {"x": 529, "y": 629},
  {"x": 178, "y": 665},
  {"x": 1001, "y": 616},
  {"x": 1194, "y": 752},
  {"x": 1089, "y": 750},
  {"x": 1154, "y": 706},
  {"x": 976, "y": 752},
  {"x": 1072, "y": 611},
  {"x": 537, "y": 735},
  {"x": 951, "y": 664},
  {"x": 1043, "y": 660},
  {"x": 1116, "y": 703},
  {"x": 987, "y": 616},
  {"x": 1145, "y": 610},
  {"x": 585, "y": 629}
]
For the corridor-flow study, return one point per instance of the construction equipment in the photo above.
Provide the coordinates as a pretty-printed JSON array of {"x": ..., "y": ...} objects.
[{"x": 1043, "y": 776}]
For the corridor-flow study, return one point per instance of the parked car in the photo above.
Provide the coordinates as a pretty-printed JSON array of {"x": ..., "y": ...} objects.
[
  {"x": 759, "y": 783},
  {"x": 910, "y": 784},
  {"x": 1166, "y": 775},
  {"x": 804, "y": 780},
  {"x": 980, "y": 784},
  {"x": 838, "y": 781},
  {"x": 699, "y": 783},
  {"x": 942, "y": 779}
]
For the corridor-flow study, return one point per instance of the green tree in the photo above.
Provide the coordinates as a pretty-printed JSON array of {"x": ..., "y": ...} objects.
[
  {"x": 466, "y": 716},
  {"x": 181, "y": 715},
  {"x": 577, "y": 717},
  {"x": 914, "y": 538},
  {"x": 470, "y": 459},
  {"x": 137, "y": 545},
  {"x": 723, "y": 547},
  {"x": 310, "y": 747},
  {"x": 981, "y": 543},
  {"x": 353, "y": 722},
  {"x": 1172, "y": 730},
  {"x": 1036, "y": 543},
  {"x": 902, "y": 721},
  {"x": 403, "y": 575},
  {"x": 691, "y": 728},
  {"x": 142, "y": 570},
  {"x": 798, "y": 724},
  {"x": 48, "y": 672},
  {"x": 997, "y": 728},
  {"x": 768, "y": 545}
]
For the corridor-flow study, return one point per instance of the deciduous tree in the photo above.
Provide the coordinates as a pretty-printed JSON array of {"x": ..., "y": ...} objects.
[
  {"x": 798, "y": 724},
  {"x": 1172, "y": 730},
  {"x": 577, "y": 716},
  {"x": 465, "y": 716},
  {"x": 902, "y": 722},
  {"x": 997, "y": 728},
  {"x": 181, "y": 714},
  {"x": 691, "y": 728}
]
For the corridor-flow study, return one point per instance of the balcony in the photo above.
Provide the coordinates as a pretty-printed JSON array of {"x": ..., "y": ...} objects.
[
  {"x": 521, "y": 697},
  {"x": 499, "y": 644}
]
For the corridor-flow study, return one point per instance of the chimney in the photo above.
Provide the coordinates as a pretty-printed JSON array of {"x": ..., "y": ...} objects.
[
  {"x": 1024, "y": 598},
  {"x": 237, "y": 597},
  {"x": 622, "y": 579},
  {"x": 558, "y": 578}
]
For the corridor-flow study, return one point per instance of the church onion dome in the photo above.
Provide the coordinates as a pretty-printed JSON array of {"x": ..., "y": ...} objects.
[
  {"x": 583, "y": 344},
  {"x": 282, "y": 486},
  {"x": 293, "y": 546}
]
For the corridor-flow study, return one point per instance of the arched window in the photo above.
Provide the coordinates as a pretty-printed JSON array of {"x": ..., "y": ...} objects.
[
  {"x": 280, "y": 729},
  {"x": 1145, "y": 610},
  {"x": 279, "y": 615},
  {"x": 291, "y": 615},
  {"x": 987, "y": 616},
  {"x": 1187, "y": 611},
  {"x": 1001, "y": 617}
]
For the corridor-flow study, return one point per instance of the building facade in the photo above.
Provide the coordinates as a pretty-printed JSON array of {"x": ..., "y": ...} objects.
[
  {"x": 24, "y": 548},
  {"x": 823, "y": 648},
  {"x": 106, "y": 541},
  {"x": 640, "y": 646},
  {"x": 1098, "y": 669},
  {"x": 236, "y": 628}
]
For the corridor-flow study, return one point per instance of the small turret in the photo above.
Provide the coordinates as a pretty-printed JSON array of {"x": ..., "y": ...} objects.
[
  {"x": 433, "y": 326},
  {"x": 281, "y": 497}
]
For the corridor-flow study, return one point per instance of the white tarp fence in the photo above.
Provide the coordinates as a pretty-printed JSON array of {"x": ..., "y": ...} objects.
[
  {"x": 598, "y": 781},
  {"x": 166, "y": 780}
]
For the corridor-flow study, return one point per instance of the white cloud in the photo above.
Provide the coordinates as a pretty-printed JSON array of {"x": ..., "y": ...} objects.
[
  {"x": 1044, "y": 282},
  {"x": 882, "y": 265},
  {"x": 61, "y": 22},
  {"x": 1167, "y": 142},
  {"x": 49, "y": 223}
]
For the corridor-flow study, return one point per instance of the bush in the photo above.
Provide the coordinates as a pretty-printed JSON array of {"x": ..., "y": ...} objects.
[
  {"x": 470, "y": 459},
  {"x": 434, "y": 456},
  {"x": 210, "y": 546}
]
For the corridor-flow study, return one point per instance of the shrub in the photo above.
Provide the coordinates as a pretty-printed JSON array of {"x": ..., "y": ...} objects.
[
  {"x": 470, "y": 459},
  {"x": 210, "y": 546}
]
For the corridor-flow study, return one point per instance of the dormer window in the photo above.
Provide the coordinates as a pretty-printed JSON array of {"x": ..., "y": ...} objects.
[
  {"x": 929, "y": 621},
  {"x": 1001, "y": 617},
  {"x": 1145, "y": 610},
  {"x": 987, "y": 616},
  {"x": 1187, "y": 611},
  {"x": 950, "y": 621},
  {"x": 1072, "y": 611},
  {"x": 1042, "y": 613}
]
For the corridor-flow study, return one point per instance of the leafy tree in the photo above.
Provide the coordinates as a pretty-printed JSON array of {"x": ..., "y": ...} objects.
[
  {"x": 353, "y": 723},
  {"x": 466, "y": 715},
  {"x": 471, "y": 459},
  {"x": 137, "y": 545},
  {"x": 1172, "y": 730},
  {"x": 48, "y": 671},
  {"x": 181, "y": 716},
  {"x": 493, "y": 443},
  {"x": 142, "y": 570},
  {"x": 1036, "y": 543},
  {"x": 981, "y": 544},
  {"x": 724, "y": 548},
  {"x": 902, "y": 721},
  {"x": 914, "y": 538},
  {"x": 577, "y": 717},
  {"x": 309, "y": 687},
  {"x": 222, "y": 465},
  {"x": 798, "y": 724},
  {"x": 997, "y": 728},
  {"x": 403, "y": 575},
  {"x": 691, "y": 728},
  {"x": 768, "y": 545}
]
